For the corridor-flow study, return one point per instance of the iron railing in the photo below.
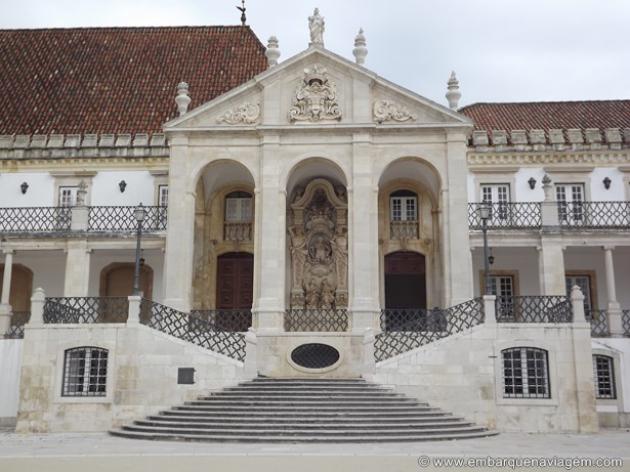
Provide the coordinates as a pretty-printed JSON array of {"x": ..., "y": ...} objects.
[
  {"x": 598, "y": 319},
  {"x": 15, "y": 332},
  {"x": 35, "y": 219},
  {"x": 533, "y": 309},
  {"x": 506, "y": 215},
  {"x": 316, "y": 319},
  {"x": 594, "y": 215},
  {"x": 403, "y": 229},
  {"x": 625, "y": 322},
  {"x": 234, "y": 321},
  {"x": 409, "y": 329},
  {"x": 63, "y": 310},
  {"x": 237, "y": 231},
  {"x": 193, "y": 329},
  {"x": 122, "y": 219}
]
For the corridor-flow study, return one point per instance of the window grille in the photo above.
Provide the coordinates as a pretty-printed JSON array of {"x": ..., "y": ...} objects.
[
  {"x": 85, "y": 372},
  {"x": 525, "y": 373},
  {"x": 604, "y": 376}
]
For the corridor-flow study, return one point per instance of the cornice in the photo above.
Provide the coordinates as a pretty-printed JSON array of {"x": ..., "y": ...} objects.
[{"x": 585, "y": 158}]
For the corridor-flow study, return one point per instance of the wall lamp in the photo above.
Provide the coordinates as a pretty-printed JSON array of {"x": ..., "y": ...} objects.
[
  {"x": 24, "y": 187},
  {"x": 607, "y": 182},
  {"x": 122, "y": 185},
  {"x": 532, "y": 183}
]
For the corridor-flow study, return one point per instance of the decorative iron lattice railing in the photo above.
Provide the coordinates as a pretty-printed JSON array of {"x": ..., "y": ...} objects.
[
  {"x": 15, "y": 332},
  {"x": 192, "y": 329},
  {"x": 625, "y": 321},
  {"x": 594, "y": 215},
  {"x": 403, "y": 229},
  {"x": 237, "y": 231},
  {"x": 516, "y": 215},
  {"x": 234, "y": 321},
  {"x": 64, "y": 310},
  {"x": 599, "y": 323},
  {"x": 316, "y": 319},
  {"x": 35, "y": 220},
  {"x": 534, "y": 309},
  {"x": 122, "y": 219},
  {"x": 405, "y": 330}
]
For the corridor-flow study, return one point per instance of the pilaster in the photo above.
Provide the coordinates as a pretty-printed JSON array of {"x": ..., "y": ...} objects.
[
  {"x": 77, "y": 276},
  {"x": 551, "y": 266},
  {"x": 5, "y": 307}
]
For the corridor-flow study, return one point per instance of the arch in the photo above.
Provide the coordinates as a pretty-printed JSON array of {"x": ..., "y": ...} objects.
[
  {"x": 116, "y": 280},
  {"x": 415, "y": 169},
  {"x": 224, "y": 171},
  {"x": 303, "y": 169},
  {"x": 21, "y": 290}
]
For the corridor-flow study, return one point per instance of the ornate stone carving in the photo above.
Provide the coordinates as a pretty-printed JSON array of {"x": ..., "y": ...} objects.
[
  {"x": 319, "y": 248},
  {"x": 317, "y": 26},
  {"x": 315, "y": 97},
  {"x": 247, "y": 114},
  {"x": 386, "y": 110}
]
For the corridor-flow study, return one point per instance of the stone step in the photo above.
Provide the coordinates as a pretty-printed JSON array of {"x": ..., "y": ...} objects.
[
  {"x": 301, "y": 392},
  {"x": 349, "y": 425},
  {"x": 305, "y": 419},
  {"x": 301, "y": 399},
  {"x": 308, "y": 414},
  {"x": 276, "y": 438},
  {"x": 301, "y": 408},
  {"x": 300, "y": 431}
]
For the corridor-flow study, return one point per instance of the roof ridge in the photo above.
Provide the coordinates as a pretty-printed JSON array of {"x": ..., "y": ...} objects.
[
  {"x": 549, "y": 102},
  {"x": 118, "y": 28}
]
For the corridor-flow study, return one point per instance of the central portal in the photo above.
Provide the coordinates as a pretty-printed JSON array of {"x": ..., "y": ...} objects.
[{"x": 405, "y": 280}]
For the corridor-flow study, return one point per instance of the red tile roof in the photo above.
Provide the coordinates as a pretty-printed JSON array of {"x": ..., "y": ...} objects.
[
  {"x": 116, "y": 80},
  {"x": 549, "y": 115}
]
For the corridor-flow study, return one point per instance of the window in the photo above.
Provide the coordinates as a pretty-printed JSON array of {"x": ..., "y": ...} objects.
[
  {"x": 238, "y": 207},
  {"x": 163, "y": 196},
  {"x": 499, "y": 196},
  {"x": 84, "y": 372},
  {"x": 570, "y": 198},
  {"x": 68, "y": 196},
  {"x": 604, "y": 376},
  {"x": 525, "y": 373},
  {"x": 584, "y": 282},
  {"x": 404, "y": 206}
]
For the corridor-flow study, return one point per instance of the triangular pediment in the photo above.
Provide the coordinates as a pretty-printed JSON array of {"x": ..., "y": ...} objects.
[{"x": 316, "y": 88}]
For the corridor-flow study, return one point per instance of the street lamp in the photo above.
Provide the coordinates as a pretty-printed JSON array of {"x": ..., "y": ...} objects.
[
  {"x": 139, "y": 213},
  {"x": 484, "y": 213}
]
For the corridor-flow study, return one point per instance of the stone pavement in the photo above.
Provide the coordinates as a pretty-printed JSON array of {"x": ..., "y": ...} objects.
[{"x": 95, "y": 452}]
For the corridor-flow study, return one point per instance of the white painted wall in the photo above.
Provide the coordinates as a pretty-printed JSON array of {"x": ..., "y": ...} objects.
[
  {"x": 140, "y": 188},
  {"x": 10, "y": 365},
  {"x": 599, "y": 192},
  {"x": 522, "y": 192},
  {"x": 41, "y": 189},
  {"x": 49, "y": 268},
  {"x": 520, "y": 259}
]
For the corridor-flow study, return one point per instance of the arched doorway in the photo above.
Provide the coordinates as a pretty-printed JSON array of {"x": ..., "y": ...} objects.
[
  {"x": 21, "y": 291},
  {"x": 117, "y": 281},
  {"x": 405, "y": 280},
  {"x": 235, "y": 281}
]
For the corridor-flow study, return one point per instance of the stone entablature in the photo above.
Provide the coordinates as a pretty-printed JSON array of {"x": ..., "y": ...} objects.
[
  {"x": 552, "y": 139},
  {"x": 39, "y": 146}
]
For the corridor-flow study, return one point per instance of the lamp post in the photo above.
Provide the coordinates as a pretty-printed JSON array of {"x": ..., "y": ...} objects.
[
  {"x": 139, "y": 213},
  {"x": 484, "y": 213}
]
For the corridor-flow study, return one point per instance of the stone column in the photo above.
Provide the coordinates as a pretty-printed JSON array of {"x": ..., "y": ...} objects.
[
  {"x": 363, "y": 250},
  {"x": 133, "y": 313},
  {"x": 5, "y": 306},
  {"x": 551, "y": 266},
  {"x": 549, "y": 205},
  {"x": 76, "y": 283},
  {"x": 490, "y": 309},
  {"x": 270, "y": 245},
  {"x": 37, "y": 307},
  {"x": 180, "y": 236},
  {"x": 615, "y": 323},
  {"x": 458, "y": 276}
]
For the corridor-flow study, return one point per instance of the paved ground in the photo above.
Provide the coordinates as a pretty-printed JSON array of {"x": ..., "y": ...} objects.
[{"x": 96, "y": 451}]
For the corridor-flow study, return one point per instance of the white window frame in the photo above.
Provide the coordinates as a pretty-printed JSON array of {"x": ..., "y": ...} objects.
[
  {"x": 570, "y": 195},
  {"x": 243, "y": 211},
  {"x": 162, "y": 195},
  {"x": 72, "y": 191},
  {"x": 524, "y": 367},
  {"x": 587, "y": 289},
  {"x": 406, "y": 207},
  {"x": 611, "y": 374}
]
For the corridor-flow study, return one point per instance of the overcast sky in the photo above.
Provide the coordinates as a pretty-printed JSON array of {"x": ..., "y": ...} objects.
[{"x": 502, "y": 50}]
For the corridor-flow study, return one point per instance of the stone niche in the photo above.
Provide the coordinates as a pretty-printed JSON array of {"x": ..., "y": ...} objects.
[{"x": 318, "y": 238}]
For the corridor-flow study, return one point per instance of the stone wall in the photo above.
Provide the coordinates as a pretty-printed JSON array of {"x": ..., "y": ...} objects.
[
  {"x": 10, "y": 360},
  {"x": 142, "y": 376},
  {"x": 463, "y": 374}
]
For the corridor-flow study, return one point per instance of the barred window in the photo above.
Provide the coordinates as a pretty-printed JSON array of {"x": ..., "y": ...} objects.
[
  {"x": 84, "y": 372},
  {"x": 525, "y": 373},
  {"x": 604, "y": 375}
]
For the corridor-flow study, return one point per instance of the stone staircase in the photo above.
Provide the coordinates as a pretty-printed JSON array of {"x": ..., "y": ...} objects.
[{"x": 303, "y": 410}]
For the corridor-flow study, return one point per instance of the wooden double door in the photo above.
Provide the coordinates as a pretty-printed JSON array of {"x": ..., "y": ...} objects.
[
  {"x": 405, "y": 280},
  {"x": 235, "y": 281}
]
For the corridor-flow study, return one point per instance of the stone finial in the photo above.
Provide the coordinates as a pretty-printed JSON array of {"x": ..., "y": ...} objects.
[
  {"x": 453, "y": 94},
  {"x": 360, "y": 50},
  {"x": 272, "y": 52},
  {"x": 183, "y": 98},
  {"x": 317, "y": 26}
]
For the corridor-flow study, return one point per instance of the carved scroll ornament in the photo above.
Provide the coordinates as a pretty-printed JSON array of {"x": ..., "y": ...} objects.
[
  {"x": 247, "y": 114},
  {"x": 386, "y": 110}
]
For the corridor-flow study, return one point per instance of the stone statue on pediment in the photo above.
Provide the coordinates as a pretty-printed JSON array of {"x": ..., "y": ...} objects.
[{"x": 317, "y": 25}]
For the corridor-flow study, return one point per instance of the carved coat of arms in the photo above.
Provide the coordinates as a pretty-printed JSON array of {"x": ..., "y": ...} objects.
[{"x": 315, "y": 98}]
